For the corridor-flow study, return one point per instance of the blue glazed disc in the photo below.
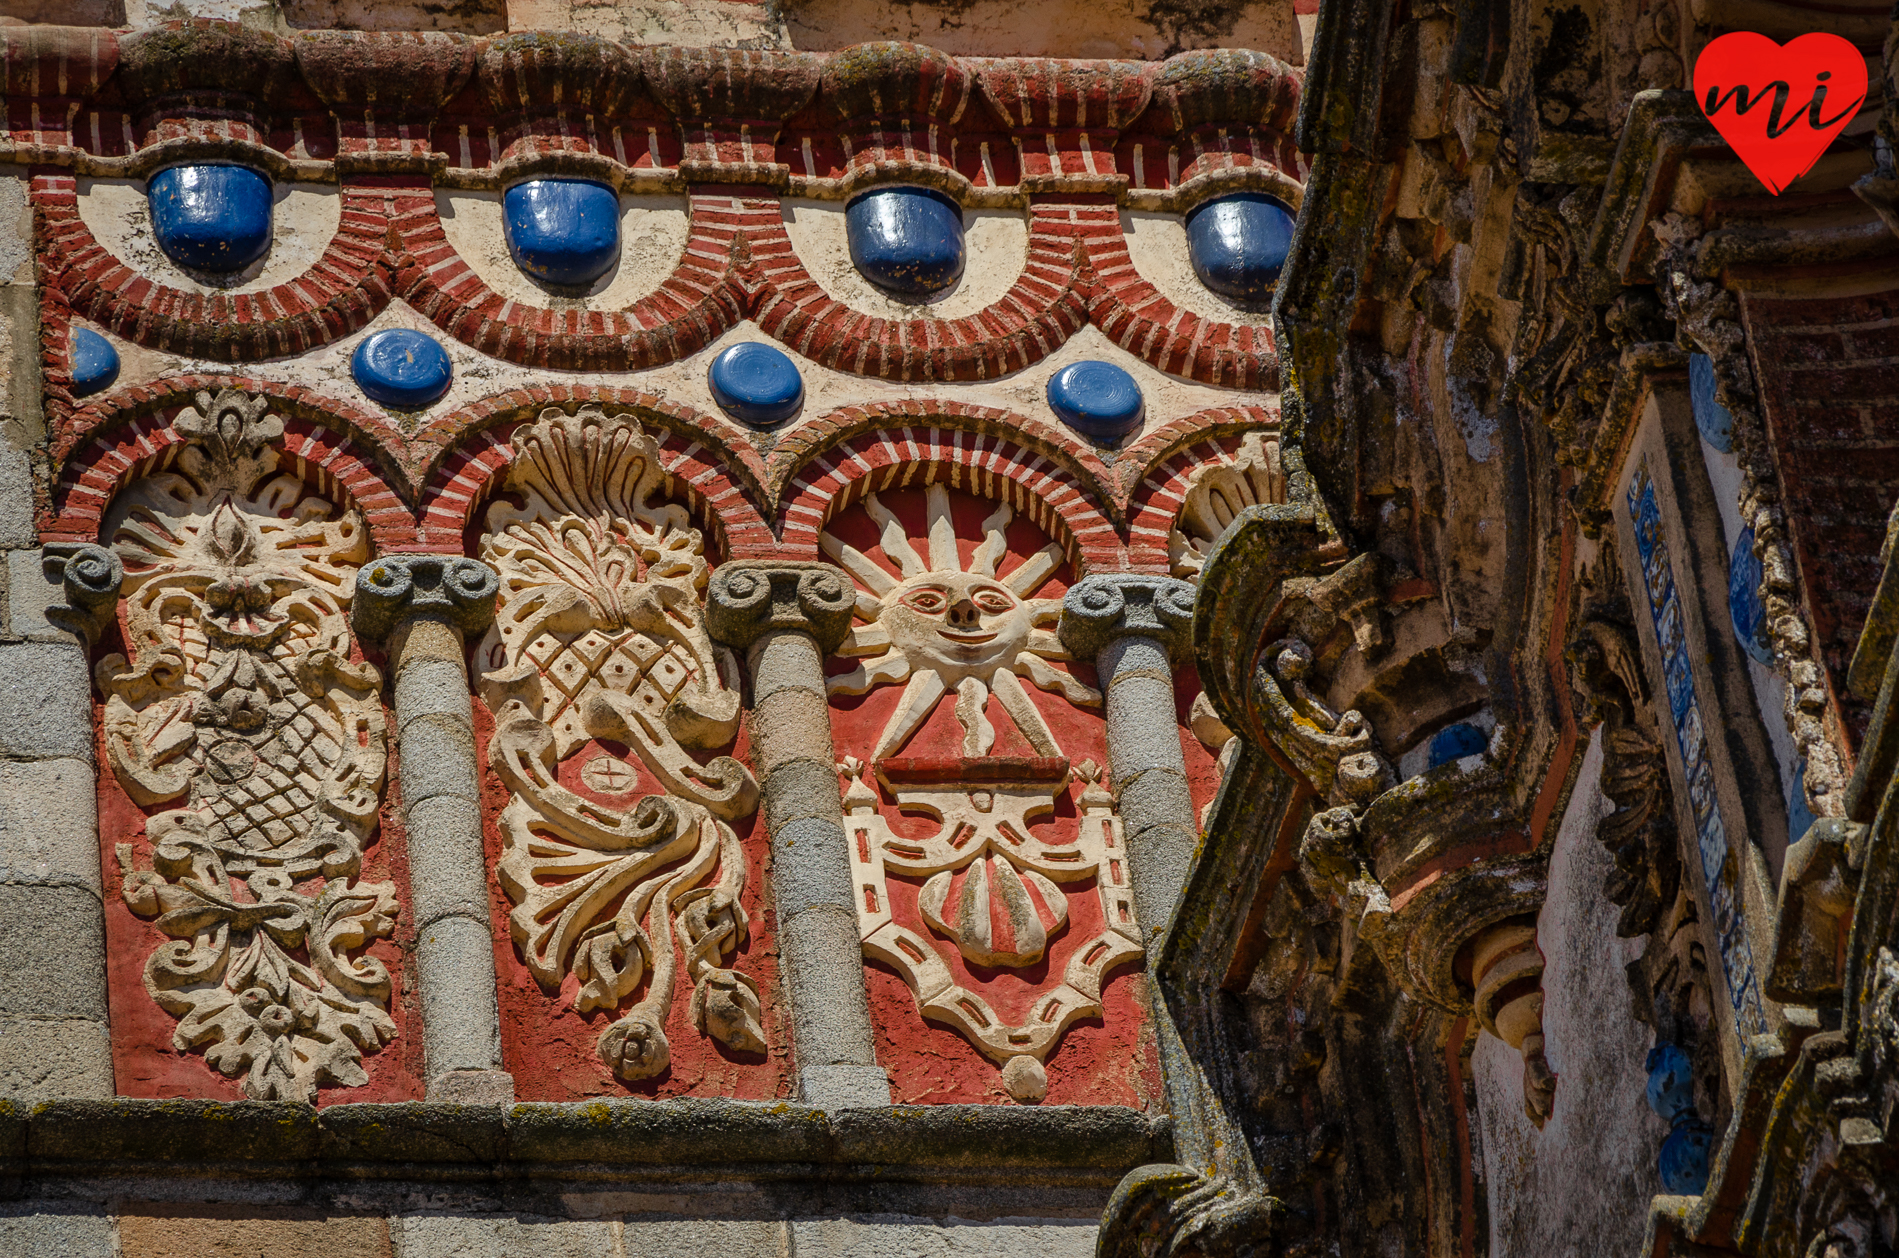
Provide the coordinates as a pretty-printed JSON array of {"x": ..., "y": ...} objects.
[
  {"x": 211, "y": 218},
  {"x": 1454, "y": 742},
  {"x": 1746, "y": 611},
  {"x": 562, "y": 231},
  {"x": 907, "y": 241},
  {"x": 1671, "y": 1083},
  {"x": 1098, "y": 400},
  {"x": 756, "y": 384},
  {"x": 400, "y": 368},
  {"x": 1683, "y": 1162},
  {"x": 95, "y": 364},
  {"x": 1238, "y": 244}
]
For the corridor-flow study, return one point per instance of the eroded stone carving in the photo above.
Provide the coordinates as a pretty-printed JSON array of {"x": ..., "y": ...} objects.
[
  {"x": 991, "y": 882},
  {"x": 240, "y": 701},
  {"x": 1217, "y": 493},
  {"x": 601, "y": 633}
]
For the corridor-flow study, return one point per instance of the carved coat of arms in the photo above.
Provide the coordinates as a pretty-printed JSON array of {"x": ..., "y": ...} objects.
[
  {"x": 600, "y": 634},
  {"x": 970, "y": 632},
  {"x": 241, "y": 706}
]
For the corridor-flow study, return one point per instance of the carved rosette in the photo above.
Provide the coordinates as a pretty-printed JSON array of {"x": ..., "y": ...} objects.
[
  {"x": 600, "y": 634},
  {"x": 965, "y": 631},
  {"x": 241, "y": 707}
]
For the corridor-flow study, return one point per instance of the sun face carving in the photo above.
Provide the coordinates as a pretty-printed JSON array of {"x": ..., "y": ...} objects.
[{"x": 945, "y": 627}]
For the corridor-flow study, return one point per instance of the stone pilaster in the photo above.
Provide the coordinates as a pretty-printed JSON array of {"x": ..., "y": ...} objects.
[
  {"x": 1134, "y": 627},
  {"x": 423, "y": 608},
  {"x": 54, "y": 1036},
  {"x": 787, "y": 617}
]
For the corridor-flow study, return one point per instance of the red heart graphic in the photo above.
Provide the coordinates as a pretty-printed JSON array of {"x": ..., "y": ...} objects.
[{"x": 1779, "y": 106}]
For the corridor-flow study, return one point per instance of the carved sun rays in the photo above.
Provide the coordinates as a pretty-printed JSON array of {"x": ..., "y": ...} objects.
[{"x": 942, "y": 627}]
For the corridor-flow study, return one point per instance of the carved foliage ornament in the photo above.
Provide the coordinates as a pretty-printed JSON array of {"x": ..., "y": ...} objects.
[
  {"x": 600, "y": 634},
  {"x": 240, "y": 705},
  {"x": 945, "y": 628},
  {"x": 1216, "y": 493}
]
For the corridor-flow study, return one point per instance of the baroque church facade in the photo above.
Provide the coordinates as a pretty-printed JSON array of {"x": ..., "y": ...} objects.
[{"x": 1205, "y": 630}]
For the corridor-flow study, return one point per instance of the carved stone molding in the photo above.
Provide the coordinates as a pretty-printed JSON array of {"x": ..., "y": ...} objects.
[
  {"x": 240, "y": 702},
  {"x": 750, "y": 597},
  {"x": 1101, "y": 608},
  {"x": 600, "y": 633}
]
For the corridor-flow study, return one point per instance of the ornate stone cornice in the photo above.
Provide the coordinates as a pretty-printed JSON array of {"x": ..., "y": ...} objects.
[
  {"x": 1101, "y": 608},
  {"x": 451, "y": 588},
  {"x": 747, "y": 598}
]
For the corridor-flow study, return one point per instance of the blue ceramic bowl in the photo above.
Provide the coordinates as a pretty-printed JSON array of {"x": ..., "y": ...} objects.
[
  {"x": 1238, "y": 244},
  {"x": 907, "y": 241},
  {"x": 211, "y": 218},
  {"x": 400, "y": 368},
  {"x": 756, "y": 384},
  {"x": 1098, "y": 400},
  {"x": 95, "y": 364},
  {"x": 562, "y": 231}
]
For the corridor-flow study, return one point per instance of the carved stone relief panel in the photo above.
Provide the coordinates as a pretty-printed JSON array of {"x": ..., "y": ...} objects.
[
  {"x": 623, "y": 819},
  {"x": 994, "y": 900},
  {"x": 236, "y": 721}
]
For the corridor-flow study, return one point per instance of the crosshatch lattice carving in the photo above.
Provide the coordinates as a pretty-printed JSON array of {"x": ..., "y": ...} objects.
[
  {"x": 241, "y": 701},
  {"x": 974, "y": 630},
  {"x": 600, "y": 634}
]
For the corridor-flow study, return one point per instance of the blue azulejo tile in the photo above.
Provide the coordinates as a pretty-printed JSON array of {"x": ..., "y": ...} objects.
[
  {"x": 95, "y": 364},
  {"x": 1454, "y": 742},
  {"x": 1712, "y": 418},
  {"x": 1238, "y": 244},
  {"x": 1745, "y": 608},
  {"x": 907, "y": 241},
  {"x": 400, "y": 368},
  {"x": 211, "y": 218},
  {"x": 756, "y": 384},
  {"x": 1098, "y": 400},
  {"x": 562, "y": 231},
  {"x": 1799, "y": 815}
]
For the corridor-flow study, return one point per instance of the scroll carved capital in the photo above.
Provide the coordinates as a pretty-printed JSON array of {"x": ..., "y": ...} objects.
[
  {"x": 1105, "y": 607},
  {"x": 452, "y": 588},
  {"x": 748, "y": 598},
  {"x": 91, "y": 577}
]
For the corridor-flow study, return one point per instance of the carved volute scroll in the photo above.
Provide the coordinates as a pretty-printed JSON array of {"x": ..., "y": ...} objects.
[
  {"x": 240, "y": 708},
  {"x": 600, "y": 634},
  {"x": 965, "y": 632}
]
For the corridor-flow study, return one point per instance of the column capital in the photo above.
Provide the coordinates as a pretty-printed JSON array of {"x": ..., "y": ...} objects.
[
  {"x": 454, "y": 589},
  {"x": 1107, "y": 606},
  {"x": 749, "y": 597}
]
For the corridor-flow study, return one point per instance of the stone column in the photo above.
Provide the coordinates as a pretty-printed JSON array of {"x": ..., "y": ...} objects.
[
  {"x": 423, "y": 608},
  {"x": 787, "y": 617},
  {"x": 1134, "y": 627}
]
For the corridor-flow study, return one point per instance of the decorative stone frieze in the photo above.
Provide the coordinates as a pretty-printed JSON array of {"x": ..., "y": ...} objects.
[
  {"x": 240, "y": 706},
  {"x": 600, "y": 633}
]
